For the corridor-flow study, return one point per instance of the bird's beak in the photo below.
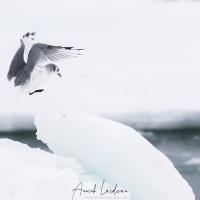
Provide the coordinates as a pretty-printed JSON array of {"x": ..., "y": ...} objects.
[{"x": 59, "y": 74}]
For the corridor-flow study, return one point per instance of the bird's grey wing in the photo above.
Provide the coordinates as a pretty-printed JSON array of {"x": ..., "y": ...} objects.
[
  {"x": 22, "y": 77},
  {"x": 24, "y": 74},
  {"x": 56, "y": 53},
  {"x": 17, "y": 63}
]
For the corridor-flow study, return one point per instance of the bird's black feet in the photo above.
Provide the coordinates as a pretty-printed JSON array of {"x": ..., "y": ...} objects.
[{"x": 30, "y": 93}]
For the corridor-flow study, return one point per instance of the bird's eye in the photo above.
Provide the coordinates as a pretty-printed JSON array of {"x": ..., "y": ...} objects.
[{"x": 58, "y": 70}]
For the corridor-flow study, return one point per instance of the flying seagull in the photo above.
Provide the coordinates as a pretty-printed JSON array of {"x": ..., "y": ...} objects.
[{"x": 34, "y": 62}]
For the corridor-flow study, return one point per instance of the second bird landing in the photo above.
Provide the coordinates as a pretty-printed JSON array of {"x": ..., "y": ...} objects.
[{"x": 33, "y": 63}]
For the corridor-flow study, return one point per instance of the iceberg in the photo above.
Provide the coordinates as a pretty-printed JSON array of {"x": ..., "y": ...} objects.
[{"x": 113, "y": 152}]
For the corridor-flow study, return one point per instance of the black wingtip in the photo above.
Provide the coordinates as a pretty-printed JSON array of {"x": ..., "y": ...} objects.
[
  {"x": 68, "y": 48},
  {"x": 72, "y": 48},
  {"x": 28, "y": 33}
]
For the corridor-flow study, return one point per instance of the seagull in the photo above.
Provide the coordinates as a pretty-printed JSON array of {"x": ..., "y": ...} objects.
[{"x": 33, "y": 63}]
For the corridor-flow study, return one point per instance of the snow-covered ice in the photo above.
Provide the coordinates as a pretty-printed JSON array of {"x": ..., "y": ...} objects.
[
  {"x": 15, "y": 122},
  {"x": 145, "y": 59},
  {"x": 33, "y": 174},
  {"x": 113, "y": 152},
  {"x": 138, "y": 56}
]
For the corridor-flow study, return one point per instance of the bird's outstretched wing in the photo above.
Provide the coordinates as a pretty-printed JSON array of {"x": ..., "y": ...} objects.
[
  {"x": 40, "y": 55},
  {"x": 22, "y": 76},
  {"x": 55, "y": 53},
  {"x": 17, "y": 63}
]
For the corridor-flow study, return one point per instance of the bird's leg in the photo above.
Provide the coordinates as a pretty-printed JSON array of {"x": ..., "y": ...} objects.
[{"x": 41, "y": 90}]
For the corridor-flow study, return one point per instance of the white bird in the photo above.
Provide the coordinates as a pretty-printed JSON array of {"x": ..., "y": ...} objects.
[{"x": 34, "y": 62}]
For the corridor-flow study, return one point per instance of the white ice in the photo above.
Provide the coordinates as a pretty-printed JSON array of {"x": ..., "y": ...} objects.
[
  {"x": 114, "y": 152},
  {"x": 139, "y": 57},
  {"x": 33, "y": 174},
  {"x": 193, "y": 162}
]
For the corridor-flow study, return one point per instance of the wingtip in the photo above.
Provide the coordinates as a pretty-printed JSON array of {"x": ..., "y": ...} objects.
[
  {"x": 72, "y": 48},
  {"x": 28, "y": 33}
]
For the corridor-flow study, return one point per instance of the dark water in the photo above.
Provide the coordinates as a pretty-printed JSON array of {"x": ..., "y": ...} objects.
[
  {"x": 26, "y": 137},
  {"x": 178, "y": 145}
]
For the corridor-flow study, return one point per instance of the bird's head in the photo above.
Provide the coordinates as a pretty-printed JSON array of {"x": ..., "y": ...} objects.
[{"x": 53, "y": 69}]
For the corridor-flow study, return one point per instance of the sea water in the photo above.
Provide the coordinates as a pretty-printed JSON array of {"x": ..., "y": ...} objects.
[{"x": 180, "y": 146}]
